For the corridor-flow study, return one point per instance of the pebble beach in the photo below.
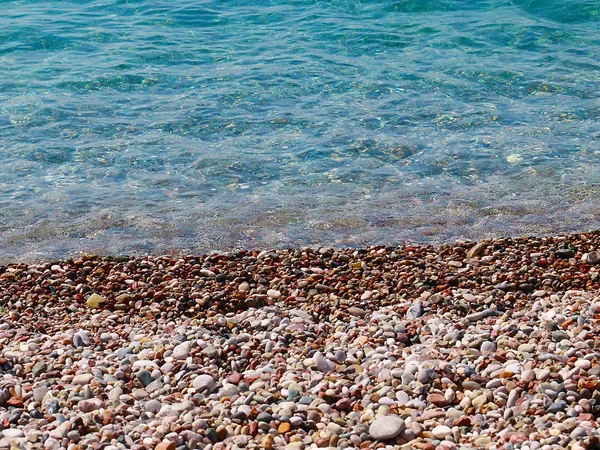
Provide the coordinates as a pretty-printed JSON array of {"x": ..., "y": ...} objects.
[{"x": 470, "y": 345}]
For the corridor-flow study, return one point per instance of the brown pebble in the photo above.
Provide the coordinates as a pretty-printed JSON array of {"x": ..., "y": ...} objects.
[
  {"x": 17, "y": 402},
  {"x": 235, "y": 378},
  {"x": 165, "y": 445},
  {"x": 438, "y": 400},
  {"x": 284, "y": 427},
  {"x": 476, "y": 250},
  {"x": 463, "y": 421},
  {"x": 267, "y": 441}
]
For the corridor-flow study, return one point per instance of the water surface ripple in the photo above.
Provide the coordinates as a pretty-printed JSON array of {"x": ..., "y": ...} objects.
[{"x": 155, "y": 126}]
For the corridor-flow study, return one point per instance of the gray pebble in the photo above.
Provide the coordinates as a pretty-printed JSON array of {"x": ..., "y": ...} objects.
[
  {"x": 145, "y": 377},
  {"x": 152, "y": 405},
  {"x": 386, "y": 428},
  {"x": 415, "y": 311},
  {"x": 39, "y": 368}
]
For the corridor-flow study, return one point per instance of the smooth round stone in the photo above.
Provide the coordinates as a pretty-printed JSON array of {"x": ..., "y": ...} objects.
[
  {"x": 426, "y": 376},
  {"x": 386, "y": 401},
  {"x": 528, "y": 375},
  {"x": 228, "y": 390},
  {"x": 356, "y": 311},
  {"x": 513, "y": 396},
  {"x": 61, "y": 431},
  {"x": 274, "y": 294},
  {"x": 74, "y": 435},
  {"x": 114, "y": 394},
  {"x": 513, "y": 368},
  {"x": 526, "y": 348},
  {"x": 296, "y": 421},
  {"x": 208, "y": 273},
  {"x": 559, "y": 335},
  {"x": 387, "y": 427},
  {"x": 542, "y": 375},
  {"x": 51, "y": 444},
  {"x": 239, "y": 415},
  {"x": 241, "y": 440},
  {"x": 479, "y": 401},
  {"x": 210, "y": 352},
  {"x": 397, "y": 373},
  {"x": 322, "y": 363},
  {"x": 264, "y": 417},
  {"x": 315, "y": 416},
  {"x": 202, "y": 382},
  {"x": 306, "y": 400},
  {"x": 402, "y": 397},
  {"x": 441, "y": 431},
  {"x": 39, "y": 393},
  {"x": 145, "y": 377},
  {"x": 124, "y": 352},
  {"x": 245, "y": 409},
  {"x": 152, "y": 406},
  {"x": 340, "y": 355},
  {"x": 578, "y": 433},
  {"x": 488, "y": 347},
  {"x": 78, "y": 341},
  {"x": 13, "y": 433},
  {"x": 83, "y": 379},
  {"x": 556, "y": 407},
  {"x": 181, "y": 351},
  {"x": 583, "y": 364}
]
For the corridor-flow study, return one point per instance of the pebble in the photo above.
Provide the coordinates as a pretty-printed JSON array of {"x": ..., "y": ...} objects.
[
  {"x": 39, "y": 368},
  {"x": 578, "y": 433},
  {"x": 592, "y": 257},
  {"x": 488, "y": 347},
  {"x": 202, "y": 382},
  {"x": 323, "y": 364},
  {"x": 153, "y": 405},
  {"x": 559, "y": 335},
  {"x": 528, "y": 375},
  {"x": 39, "y": 393},
  {"x": 415, "y": 311},
  {"x": 274, "y": 294},
  {"x": 166, "y": 445},
  {"x": 91, "y": 405},
  {"x": 83, "y": 379},
  {"x": 181, "y": 351},
  {"x": 357, "y": 312},
  {"x": 12, "y": 433},
  {"x": 387, "y": 427},
  {"x": 145, "y": 377},
  {"x": 94, "y": 301},
  {"x": 441, "y": 431}
]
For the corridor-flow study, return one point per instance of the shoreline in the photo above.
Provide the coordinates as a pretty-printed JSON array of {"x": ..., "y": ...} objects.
[{"x": 467, "y": 345}]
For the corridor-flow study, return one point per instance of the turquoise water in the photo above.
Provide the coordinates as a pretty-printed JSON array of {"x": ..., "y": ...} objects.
[{"x": 155, "y": 126}]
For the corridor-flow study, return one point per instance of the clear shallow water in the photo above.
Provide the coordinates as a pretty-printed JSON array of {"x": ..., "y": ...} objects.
[{"x": 153, "y": 126}]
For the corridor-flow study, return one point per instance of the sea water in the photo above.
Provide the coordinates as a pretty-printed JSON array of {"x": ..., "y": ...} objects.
[{"x": 166, "y": 126}]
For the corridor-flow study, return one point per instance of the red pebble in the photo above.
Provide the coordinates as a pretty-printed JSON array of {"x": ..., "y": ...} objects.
[{"x": 235, "y": 378}]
